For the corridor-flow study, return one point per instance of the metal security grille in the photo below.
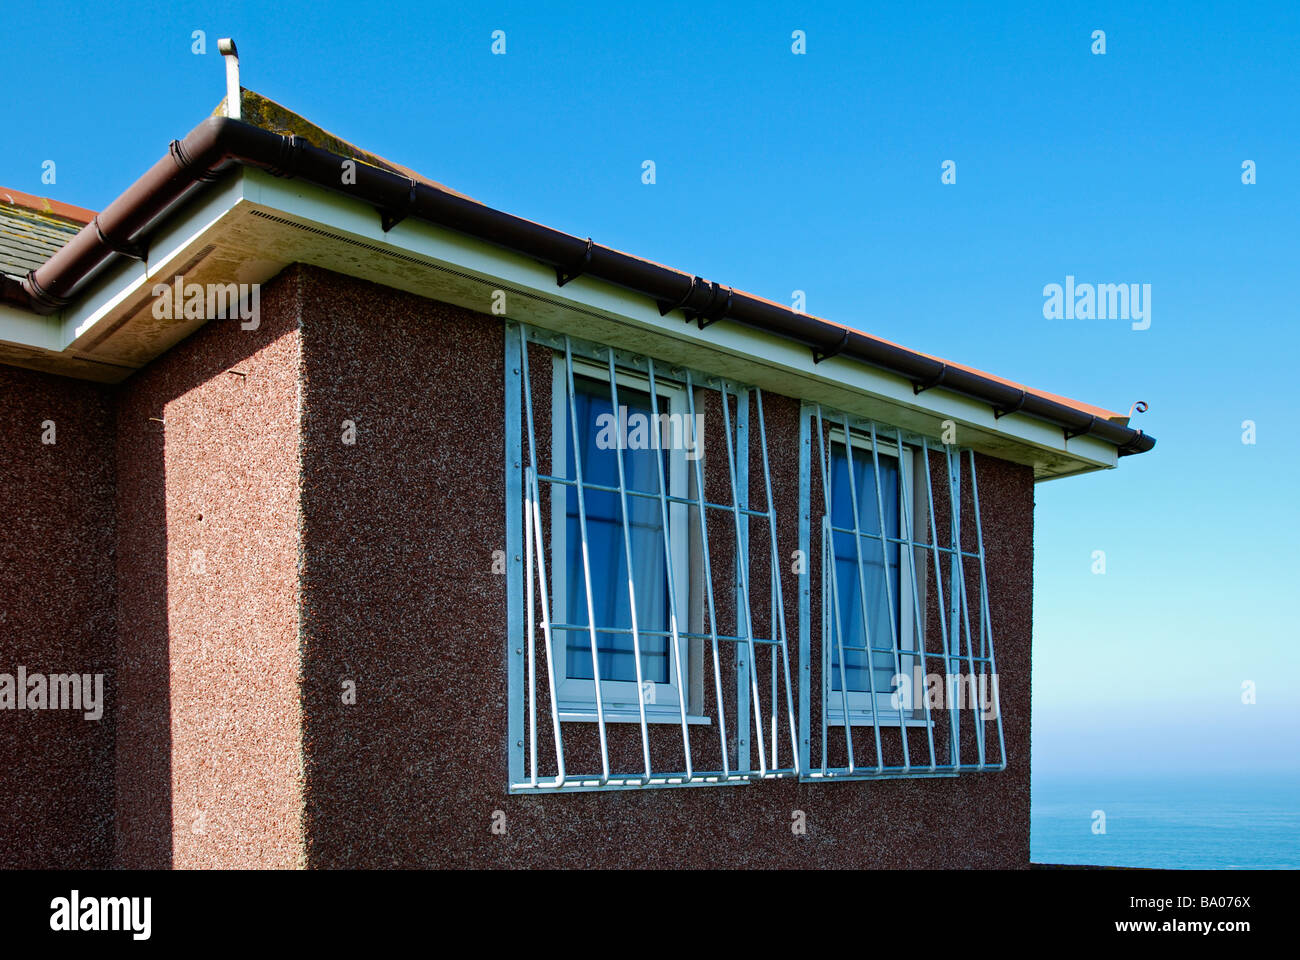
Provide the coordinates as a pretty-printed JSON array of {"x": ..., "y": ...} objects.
[
  {"x": 909, "y": 738},
  {"x": 743, "y": 711}
]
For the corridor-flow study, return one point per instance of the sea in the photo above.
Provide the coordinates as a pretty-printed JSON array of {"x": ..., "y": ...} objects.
[{"x": 1228, "y": 821}]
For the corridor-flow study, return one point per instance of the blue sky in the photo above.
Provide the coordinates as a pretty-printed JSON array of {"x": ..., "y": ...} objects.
[{"x": 821, "y": 172}]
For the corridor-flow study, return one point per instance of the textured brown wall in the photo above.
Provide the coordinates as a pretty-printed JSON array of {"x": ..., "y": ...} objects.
[
  {"x": 57, "y": 615},
  {"x": 246, "y": 563},
  {"x": 209, "y": 738},
  {"x": 398, "y": 596}
]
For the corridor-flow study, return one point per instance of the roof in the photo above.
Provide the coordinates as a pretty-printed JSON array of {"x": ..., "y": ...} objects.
[
  {"x": 266, "y": 113},
  {"x": 274, "y": 141},
  {"x": 33, "y": 228}
]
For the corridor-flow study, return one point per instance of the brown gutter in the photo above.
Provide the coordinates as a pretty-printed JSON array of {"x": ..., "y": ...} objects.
[{"x": 215, "y": 145}]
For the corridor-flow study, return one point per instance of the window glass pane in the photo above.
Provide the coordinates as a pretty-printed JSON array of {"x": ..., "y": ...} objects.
[
  {"x": 608, "y": 557},
  {"x": 856, "y": 669}
]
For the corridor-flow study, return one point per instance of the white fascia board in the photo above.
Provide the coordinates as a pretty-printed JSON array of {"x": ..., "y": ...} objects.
[
  {"x": 170, "y": 244},
  {"x": 510, "y": 270},
  {"x": 26, "y": 329}
]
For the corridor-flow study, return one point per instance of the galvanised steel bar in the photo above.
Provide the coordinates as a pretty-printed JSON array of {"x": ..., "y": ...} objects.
[
  {"x": 547, "y": 636},
  {"x": 827, "y": 630},
  {"x": 677, "y": 779},
  {"x": 960, "y": 576},
  {"x": 771, "y": 729},
  {"x": 586, "y": 560},
  {"x": 908, "y": 523},
  {"x": 534, "y": 497},
  {"x": 532, "y": 629},
  {"x": 627, "y": 549},
  {"x": 954, "y": 719},
  {"x": 651, "y": 495},
  {"x": 889, "y": 591},
  {"x": 745, "y": 665},
  {"x": 804, "y": 754},
  {"x": 708, "y": 573},
  {"x": 986, "y": 623},
  {"x": 836, "y": 614},
  {"x": 669, "y": 573},
  {"x": 778, "y": 599},
  {"x": 627, "y": 631},
  {"x": 515, "y": 614},
  {"x": 862, "y": 596},
  {"x": 742, "y": 559}
]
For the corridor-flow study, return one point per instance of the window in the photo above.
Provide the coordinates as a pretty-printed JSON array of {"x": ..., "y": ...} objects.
[
  {"x": 875, "y": 627},
  {"x": 608, "y": 547},
  {"x": 904, "y": 594},
  {"x": 640, "y": 436}
]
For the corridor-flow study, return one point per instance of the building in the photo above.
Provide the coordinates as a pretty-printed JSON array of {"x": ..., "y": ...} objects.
[{"x": 336, "y": 477}]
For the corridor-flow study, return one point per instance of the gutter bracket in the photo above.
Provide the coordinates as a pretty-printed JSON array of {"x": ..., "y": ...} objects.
[
  {"x": 1070, "y": 434},
  {"x": 392, "y": 216},
  {"x": 136, "y": 251},
  {"x": 562, "y": 277},
  {"x": 920, "y": 386},
  {"x": 1000, "y": 412},
  {"x": 666, "y": 307},
  {"x": 712, "y": 314},
  {"x": 819, "y": 354}
]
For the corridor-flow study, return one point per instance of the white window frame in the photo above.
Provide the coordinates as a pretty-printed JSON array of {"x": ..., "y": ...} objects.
[
  {"x": 576, "y": 698},
  {"x": 860, "y": 713}
]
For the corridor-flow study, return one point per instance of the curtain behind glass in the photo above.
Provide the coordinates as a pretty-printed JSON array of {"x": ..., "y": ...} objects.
[{"x": 608, "y": 557}]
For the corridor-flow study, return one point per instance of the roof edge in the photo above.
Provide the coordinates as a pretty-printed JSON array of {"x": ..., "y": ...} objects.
[
  {"x": 218, "y": 143},
  {"x": 46, "y": 205}
]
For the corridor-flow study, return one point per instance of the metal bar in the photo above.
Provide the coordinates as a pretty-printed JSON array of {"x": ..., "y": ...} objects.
[
  {"x": 779, "y": 599},
  {"x": 901, "y": 541},
  {"x": 827, "y": 561},
  {"x": 534, "y": 494},
  {"x": 708, "y": 575},
  {"x": 546, "y": 627},
  {"x": 664, "y": 780},
  {"x": 805, "y": 599},
  {"x": 581, "y": 627},
  {"x": 986, "y": 622},
  {"x": 964, "y": 606},
  {"x": 742, "y": 561},
  {"x": 955, "y": 584},
  {"x": 669, "y": 572},
  {"x": 627, "y": 549},
  {"x": 889, "y": 592},
  {"x": 954, "y": 744},
  {"x": 514, "y": 572},
  {"x": 772, "y": 751},
  {"x": 908, "y": 524},
  {"x": 649, "y": 495},
  {"x": 532, "y": 628},
  {"x": 862, "y": 596},
  {"x": 586, "y": 560},
  {"x": 837, "y": 616}
]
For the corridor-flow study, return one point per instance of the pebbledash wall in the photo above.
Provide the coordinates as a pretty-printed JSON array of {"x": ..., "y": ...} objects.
[
  {"x": 240, "y": 563},
  {"x": 57, "y": 615}
]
